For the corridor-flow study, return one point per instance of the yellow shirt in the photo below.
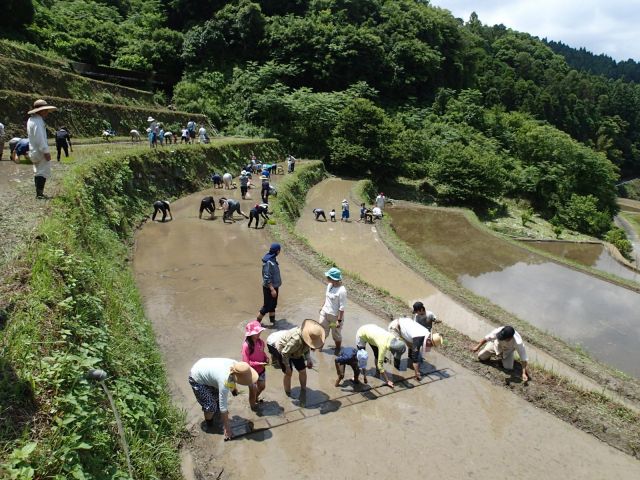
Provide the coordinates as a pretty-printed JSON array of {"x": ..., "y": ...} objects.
[{"x": 376, "y": 336}]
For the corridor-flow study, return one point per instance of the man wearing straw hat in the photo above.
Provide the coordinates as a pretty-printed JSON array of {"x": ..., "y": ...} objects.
[
  {"x": 503, "y": 342},
  {"x": 381, "y": 342},
  {"x": 292, "y": 348},
  {"x": 212, "y": 379},
  {"x": 415, "y": 336},
  {"x": 38, "y": 146}
]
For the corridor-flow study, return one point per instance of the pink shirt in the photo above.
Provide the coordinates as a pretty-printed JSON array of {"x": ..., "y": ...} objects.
[{"x": 258, "y": 355}]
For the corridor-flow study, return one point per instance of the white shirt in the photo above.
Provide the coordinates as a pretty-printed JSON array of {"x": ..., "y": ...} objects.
[
  {"x": 376, "y": 211},
  {"x": 1, "y": 130},
  {"x": 408, "y": 329},
  {"x": 380, "y": 201},
  {"x": 335, "y": 300},
  {"x": 37, "y": 133},
  {"x": 274, "y": 338},
  {"x": 185, "y": 132},
  {"x": 202, "y": 132},
  {"x": 214, "y": 372},
  {"x": 505, "y": 346}
]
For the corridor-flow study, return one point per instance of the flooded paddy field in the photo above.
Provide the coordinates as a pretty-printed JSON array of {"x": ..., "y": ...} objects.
[{"x": 600, "y": 316}]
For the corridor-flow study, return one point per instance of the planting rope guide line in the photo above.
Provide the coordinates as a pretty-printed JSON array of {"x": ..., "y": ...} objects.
[{"x": 242, "y": 427}]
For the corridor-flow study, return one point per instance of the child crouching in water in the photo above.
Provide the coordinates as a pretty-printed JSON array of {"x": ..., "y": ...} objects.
[
  {"x": 356, "y": 359},
  {"x": 253, "y": 354}
]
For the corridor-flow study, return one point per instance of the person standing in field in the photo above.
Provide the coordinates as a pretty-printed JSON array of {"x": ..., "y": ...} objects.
[
  {"x": 345, "y": 211},
  {"x": 38, "y": 146},
  {"x": 380, "y": 201},
  {"x": 63, "y": 142},
  {"x": 1, "y": 140},
  {"x": 332, "y": 311},
  {"x": 271, "y": 283}
]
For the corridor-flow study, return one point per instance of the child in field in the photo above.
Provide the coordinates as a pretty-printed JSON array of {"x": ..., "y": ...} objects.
[
  {"x": 356, "y": 359},
  {"x": 332, "y": 214}
]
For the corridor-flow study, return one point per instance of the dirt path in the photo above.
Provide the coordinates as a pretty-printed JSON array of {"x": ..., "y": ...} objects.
[
  {"x": 200, "y": 282},
  {"x": 348, "y": 244}
]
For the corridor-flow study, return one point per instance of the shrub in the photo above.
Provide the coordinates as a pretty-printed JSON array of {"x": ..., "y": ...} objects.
[
  {"x": 581, "y": 213},
  {"x": 617, "y": 237}
]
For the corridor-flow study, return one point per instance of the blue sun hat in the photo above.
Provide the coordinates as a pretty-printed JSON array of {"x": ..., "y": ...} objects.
[{"x": 334, "y": 274}]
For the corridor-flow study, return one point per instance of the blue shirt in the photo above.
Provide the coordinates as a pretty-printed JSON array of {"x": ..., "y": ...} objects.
[
  {"x": 347, "y": 355},
  {"x": 22, "y": 147}
]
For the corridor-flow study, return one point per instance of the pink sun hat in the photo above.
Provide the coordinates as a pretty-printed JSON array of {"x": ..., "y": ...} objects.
[{"x": 253, "y": 328}]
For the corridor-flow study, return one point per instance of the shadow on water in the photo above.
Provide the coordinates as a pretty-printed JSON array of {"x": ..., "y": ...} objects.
[{"x": 580, "y": 308}]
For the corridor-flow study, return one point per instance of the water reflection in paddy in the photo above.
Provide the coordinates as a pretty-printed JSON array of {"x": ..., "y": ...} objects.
[{"x": 577, "y": 307}]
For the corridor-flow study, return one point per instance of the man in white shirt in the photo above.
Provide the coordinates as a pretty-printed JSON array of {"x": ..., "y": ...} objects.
[
  {"x": 414, "y": 336},
  {"x": 212, "y": 379},
  {"x": 202, "y": 135},
  {"x": 38, "y": 146},
  {"x": 376, "y": 213},
  {"x": 380, "y": 201},
  {"x": 503, "y": 342}
]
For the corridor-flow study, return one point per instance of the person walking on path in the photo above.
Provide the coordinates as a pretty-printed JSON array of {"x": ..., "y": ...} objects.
[
  {"x": 356, "y": 359},
  {"x": 229, "y": 207},
  {"x": 164, "y": 207},
  {"x": 208, "y": 204},
  {"x": 38, "y": 146},
  {"x": 1, "y": 140},
  {"x": 424, "y": 317},
  {"x": 319, "y": 212},
  {"x": 415, "y": 336},
  {"x": 381, "y": 342},
  {"x": 212, "y": 379},
  {"x": 253, "y": 354},
  {"x": 503, "y": 342},
  {"x": 345, "y": 211},
  {"x": 292, "y": 348},
  {"x": 260, "y": 210},
  {"x": 63, "y": 142},
  {"x": 271, "y": 283},
  {"x": 332, "y": 312}
]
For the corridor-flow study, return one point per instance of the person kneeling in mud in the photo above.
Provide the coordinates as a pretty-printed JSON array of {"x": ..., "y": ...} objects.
[
  {"x": 318, "y": 212},
  {"x": 292, "y": 348},
  {"x": 208, "y": 204},
  {"x": 356, "y": 359},
  {"x": 260, "y": 210},
  {"x": 380, "y": 342},
  {"x": 229, "y": 205},
  {"x": 164, "y": 207},
  {"x": 503, "y": 342}
]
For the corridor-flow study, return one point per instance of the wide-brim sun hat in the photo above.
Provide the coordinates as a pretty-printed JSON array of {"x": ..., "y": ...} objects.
[
  {"x": 253, "y": 328},
  {"x": 313, "y": 334},
  {"x": 436, "y": 339},
  {"x": 39, "y": 106},
  {"x": 334, "y": 274},
  {"x": 151, "y": 119},
  {"x": 245, "y": 375}
]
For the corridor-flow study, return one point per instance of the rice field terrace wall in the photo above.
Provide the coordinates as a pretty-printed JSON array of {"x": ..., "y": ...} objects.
[
  {"x": 42, "y": 80},
  {"x": 71, "y": 305},
  {"x": 87, "y": 119}
]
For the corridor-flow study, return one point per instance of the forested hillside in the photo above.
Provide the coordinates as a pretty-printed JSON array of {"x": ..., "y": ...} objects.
[{"x": 385, "y": 87}]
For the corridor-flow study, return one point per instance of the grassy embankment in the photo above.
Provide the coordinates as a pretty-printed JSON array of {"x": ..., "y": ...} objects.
[
  {"x": 71, "y": 305},
  {"x": 43, "y": 80},
  {"x": 592, "y": 412},
  {"x": 87, "y": 119}
]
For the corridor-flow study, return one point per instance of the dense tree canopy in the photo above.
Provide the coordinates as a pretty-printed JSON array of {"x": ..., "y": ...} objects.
[{"x": 389, "y": 87}]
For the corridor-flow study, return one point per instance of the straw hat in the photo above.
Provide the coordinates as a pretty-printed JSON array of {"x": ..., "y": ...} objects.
[
  {"x": 245, "y": 375},
  {"x": 253, "y": 328},
  {"x": 436, "y": 339},
  {"x": 40, "y": 105},
  {"x": 313, "y": 334},
  {"x": 151, "y": 119}
]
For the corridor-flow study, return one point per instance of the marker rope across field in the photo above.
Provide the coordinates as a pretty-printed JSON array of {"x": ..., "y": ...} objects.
[{"x": 243, "y": 427}]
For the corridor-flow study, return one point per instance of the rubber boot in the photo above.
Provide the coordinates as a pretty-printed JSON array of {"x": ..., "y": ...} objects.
[{"x": 40, "y": 182}]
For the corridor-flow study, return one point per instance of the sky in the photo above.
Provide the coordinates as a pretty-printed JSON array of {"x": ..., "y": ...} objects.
[{"x": 601, "y": 26}]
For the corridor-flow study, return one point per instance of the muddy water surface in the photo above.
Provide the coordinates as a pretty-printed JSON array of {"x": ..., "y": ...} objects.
[
  {"x": 589, "y": 254},
  {"x": 578, "y": 307},
  {"x": 200, "y": 282}
]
